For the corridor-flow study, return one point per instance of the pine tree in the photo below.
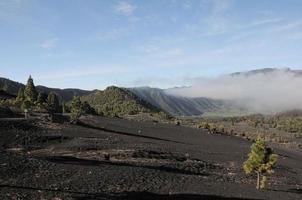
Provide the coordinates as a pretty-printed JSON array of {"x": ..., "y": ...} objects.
[
  {"x": 30, "y": 91},
  {"x": 76, "y": 109},
  {"x": 53, "y": 104},
  {"x": 21, "y": 96},
  {"x": 261, "y": 160},
  {"x": 41, "y": 100},
  {"x": 26, "y": 105}
]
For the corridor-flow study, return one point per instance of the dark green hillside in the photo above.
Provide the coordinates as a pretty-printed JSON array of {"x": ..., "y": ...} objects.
[
  {"x": 12, "y": 87},
  {"x": 5, "y": 95},
  {"x": 176, "y": 105},
  {"x": 114, "y": 101},
  {"x": 64, "y": 94}
]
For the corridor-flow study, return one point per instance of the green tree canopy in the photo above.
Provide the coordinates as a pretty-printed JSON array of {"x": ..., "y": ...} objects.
[
  {"x": 261, "y": 160},
  {"x": 21, "y": 96},
  {"x": 76, "y": 109},
  {"x": 30, "y": 91},
  {"x": 53, "y": 104},
  {"x": 41, "y": 100}
]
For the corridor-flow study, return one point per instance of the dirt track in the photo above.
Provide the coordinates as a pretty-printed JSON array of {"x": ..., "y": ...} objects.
[{"x": 118, "y": 159}]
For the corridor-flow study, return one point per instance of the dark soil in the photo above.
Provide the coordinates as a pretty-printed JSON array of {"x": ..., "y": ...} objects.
[{"x": 106, "y": 158}]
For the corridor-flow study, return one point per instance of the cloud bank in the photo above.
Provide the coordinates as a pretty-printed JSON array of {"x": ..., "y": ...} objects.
[{"x": 259, "y": 91}]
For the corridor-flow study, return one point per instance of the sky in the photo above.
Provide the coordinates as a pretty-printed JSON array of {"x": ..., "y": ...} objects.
[{"x": 91, "y": 44}]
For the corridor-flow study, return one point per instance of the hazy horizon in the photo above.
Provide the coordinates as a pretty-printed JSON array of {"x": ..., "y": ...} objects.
[
  {"x": 93, "y": 44},
  {"x": 186, "y": 82}
]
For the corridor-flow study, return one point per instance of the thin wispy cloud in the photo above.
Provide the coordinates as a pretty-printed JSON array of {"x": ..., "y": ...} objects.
[
  {"x": 216, "y": 22},
  {"x": 265, "y": 21},
  {"x": 49, "y": 43},
  {"x": 159, "y": 51},
  {"x": 243, "y": 31},
  {"x": 10, "y": 9},
  {"x": 288, "y": 26},
  {"x": 170, "y": 38},
  {"x": 162, "y": 82},
  {"x": 187, "y": 5},
  {"x": 220, "y": 6},
  {"x": 79, "y": 71},
  {"x": 125, "y": 8},
  {"x": 295, "y": 36},
  {"x": 113, "y": 34}
]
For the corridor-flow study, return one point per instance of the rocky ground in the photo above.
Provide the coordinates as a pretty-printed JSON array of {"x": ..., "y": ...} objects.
[{"x": 108, "y": 158}]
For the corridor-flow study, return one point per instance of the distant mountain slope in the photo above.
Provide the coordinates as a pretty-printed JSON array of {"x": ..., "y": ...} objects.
[
  {"x": 296, "y": 72},
  {"x": 4, "y": 95},
  {"x": 12, "y": 87},
  {"x": 177, "y": 105},
  {"x": 146, "y": 99},
  {"x": 64, "y": 94},
  {"x": 118, "y": 101}
]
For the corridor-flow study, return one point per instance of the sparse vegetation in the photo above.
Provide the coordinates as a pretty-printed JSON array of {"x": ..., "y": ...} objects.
[{"x": 282, "y": 128}]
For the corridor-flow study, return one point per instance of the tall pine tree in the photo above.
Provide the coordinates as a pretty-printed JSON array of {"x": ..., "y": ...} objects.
[
  {"x": 30, "y": 91},
  {"x": 53, "y": 104}
]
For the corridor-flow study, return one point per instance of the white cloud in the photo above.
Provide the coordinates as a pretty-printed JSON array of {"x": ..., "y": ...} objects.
[
  {"x": 125, "y": 8},
  {"x": 263, "y": 92},
  {"x": 49, "y": 43}
]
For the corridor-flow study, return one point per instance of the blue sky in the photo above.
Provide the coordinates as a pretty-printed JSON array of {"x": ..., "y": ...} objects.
[{"x": 162, "y": 43}]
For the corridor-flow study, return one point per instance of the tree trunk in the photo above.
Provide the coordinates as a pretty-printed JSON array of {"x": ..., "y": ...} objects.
[{"x": 258, "y": 181}]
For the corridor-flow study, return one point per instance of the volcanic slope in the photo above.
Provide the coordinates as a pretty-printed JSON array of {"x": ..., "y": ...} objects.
[
  {"x": 105, "y": 158},
  {"x": 115, "y": 101}
]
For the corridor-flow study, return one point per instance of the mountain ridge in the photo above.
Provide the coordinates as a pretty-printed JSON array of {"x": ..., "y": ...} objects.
[
  {"x": 66, "y": 94},
  {"x": 117, "y": 101},
  {"x": 158, "y": 99}
]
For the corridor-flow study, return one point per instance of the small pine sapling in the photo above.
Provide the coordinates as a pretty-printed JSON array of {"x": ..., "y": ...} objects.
[{"x": 261, "y": 160}]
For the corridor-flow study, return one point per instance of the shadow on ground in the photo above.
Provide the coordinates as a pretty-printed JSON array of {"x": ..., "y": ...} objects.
[
  {"x": 127, "y": 195},
  {"x": 124, "y": 133},
  {"x": 78, "y": 161},
  {"x": 154, "y": 196},
  {"x": 293, "y": 190}
]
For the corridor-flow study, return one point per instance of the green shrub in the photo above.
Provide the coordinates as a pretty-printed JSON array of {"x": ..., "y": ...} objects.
[{"x": 261, "y": 160}]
